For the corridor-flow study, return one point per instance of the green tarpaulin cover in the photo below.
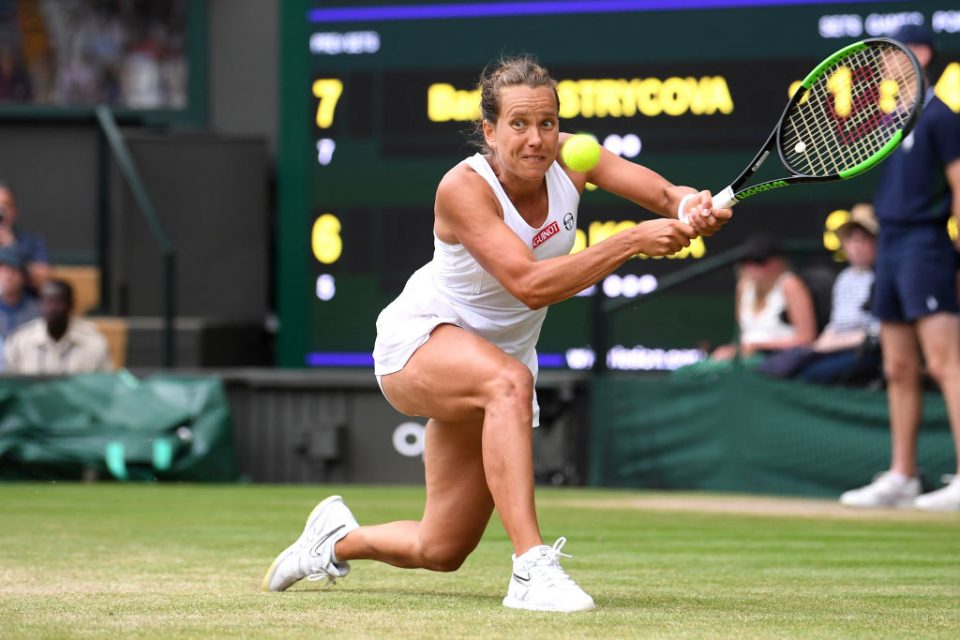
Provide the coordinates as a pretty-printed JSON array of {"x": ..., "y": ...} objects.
[
  {"x": 739, "y": 431},
  {"x": 164, "y": 427}
]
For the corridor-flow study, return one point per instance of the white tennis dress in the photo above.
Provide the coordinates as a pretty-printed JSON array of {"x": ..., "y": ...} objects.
[{"x": 454, "y": 289}]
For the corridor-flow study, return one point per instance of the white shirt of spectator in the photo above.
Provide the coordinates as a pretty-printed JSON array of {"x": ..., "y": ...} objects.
[
  {"x": 850, "y": 294},
  {"x": 764, "y": 324},
  {"x": 31, "y": 350}
]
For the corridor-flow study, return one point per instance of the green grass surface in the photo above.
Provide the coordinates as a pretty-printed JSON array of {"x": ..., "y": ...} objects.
[{"x": 110, "y": 560}]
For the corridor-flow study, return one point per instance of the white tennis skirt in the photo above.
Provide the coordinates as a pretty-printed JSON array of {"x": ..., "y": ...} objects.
[{"x": 407, "y": 322}]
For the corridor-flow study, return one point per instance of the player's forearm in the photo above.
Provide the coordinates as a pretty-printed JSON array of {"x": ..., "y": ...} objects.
[
  {"x": 674, "y": 194},
  {"x": 556, "y": 279},
  {"x": 666, "y": 199},
  {"x": 641, "y": 186}
]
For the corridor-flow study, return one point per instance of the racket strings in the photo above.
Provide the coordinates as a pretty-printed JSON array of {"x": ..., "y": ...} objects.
[{"x": 850, "y": 111}]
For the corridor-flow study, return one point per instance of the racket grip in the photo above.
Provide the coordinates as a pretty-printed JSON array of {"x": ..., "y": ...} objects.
[{"x": 724, "y": 199}]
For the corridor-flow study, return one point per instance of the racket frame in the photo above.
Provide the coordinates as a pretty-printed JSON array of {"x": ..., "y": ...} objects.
[{"x": 732, "y": 194}]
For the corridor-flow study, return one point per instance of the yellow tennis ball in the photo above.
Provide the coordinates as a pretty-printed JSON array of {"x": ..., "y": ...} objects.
[{"x": 581, "y": 152}]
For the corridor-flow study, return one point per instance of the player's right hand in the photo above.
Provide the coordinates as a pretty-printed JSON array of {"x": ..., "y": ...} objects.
[
  {"x": 704, "y": 219},
  {"x": 662, "y": 237}
]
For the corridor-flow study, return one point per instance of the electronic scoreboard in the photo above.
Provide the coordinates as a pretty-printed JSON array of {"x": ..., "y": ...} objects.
[{"x": 379, "y": 99}]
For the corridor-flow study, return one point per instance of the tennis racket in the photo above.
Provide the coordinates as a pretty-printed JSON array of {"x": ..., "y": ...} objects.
[{"x": 848, "y": 114}]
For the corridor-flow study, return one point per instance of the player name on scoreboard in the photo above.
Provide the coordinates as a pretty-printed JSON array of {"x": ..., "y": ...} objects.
[{"x": 602, "y": 98}]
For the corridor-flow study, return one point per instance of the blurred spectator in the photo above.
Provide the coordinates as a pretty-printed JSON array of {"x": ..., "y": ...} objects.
[
  {"x": 141, "y": 78},
  {"x": 32, "y": 247},
  {"x": 56, "y": 343},
  {"x": 847, "y": 348},
  {"x": 127, "y": 54},
  {"x": 773, "y": 306},
  {"x": 77, "y": 81},
  {"x": 17, "y": 307},
  {"x": 130, "y": 55},
  {"x": 14, "y": 79}
]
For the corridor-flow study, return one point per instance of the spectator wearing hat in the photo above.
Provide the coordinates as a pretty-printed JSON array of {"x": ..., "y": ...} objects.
[
  {"x": 915, "y": 296},
  {"x": 32, "y": 247},
  {"x": 56, "y": 343},
  {"x": 845, "y": 349},
  {"x": 773, "y": 306},
  {"x": 17, "y": 307}
]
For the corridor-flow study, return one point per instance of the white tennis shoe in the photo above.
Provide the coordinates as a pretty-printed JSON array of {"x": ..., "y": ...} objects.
[
  {"x": 539, "y": 583},
  {"x": 311, "y": 555},
  {"x": 886, "y": 490},
  {"x": 945, "y": 499}
]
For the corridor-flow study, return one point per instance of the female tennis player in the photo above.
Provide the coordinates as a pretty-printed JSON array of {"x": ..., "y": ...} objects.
[{"x": 458, "y": 344}]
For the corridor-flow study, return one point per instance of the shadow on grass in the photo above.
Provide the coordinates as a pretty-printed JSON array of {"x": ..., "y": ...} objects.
[{"x": 422, "y": 598}]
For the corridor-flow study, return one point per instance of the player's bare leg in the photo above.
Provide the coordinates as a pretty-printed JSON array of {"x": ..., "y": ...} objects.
[
  {"x": 457, "y": 509},
  {"x": 457, "y": 377},
  {"x": 478, "y": 454}
]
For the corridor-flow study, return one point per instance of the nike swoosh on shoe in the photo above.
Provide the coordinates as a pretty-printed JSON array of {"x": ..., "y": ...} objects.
[{"x": 315, "y": 551}]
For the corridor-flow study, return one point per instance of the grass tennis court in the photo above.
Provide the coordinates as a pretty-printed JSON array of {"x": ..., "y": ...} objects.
[{"x": 110, "y": 560}]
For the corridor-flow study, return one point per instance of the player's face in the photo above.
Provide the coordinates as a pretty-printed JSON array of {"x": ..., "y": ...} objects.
[{"x": 526, "y": 135}]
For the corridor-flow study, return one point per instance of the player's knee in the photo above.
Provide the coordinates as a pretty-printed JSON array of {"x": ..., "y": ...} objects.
[
  {"x": 444, "y": 557},
  {"x": 512, "y": 381}
]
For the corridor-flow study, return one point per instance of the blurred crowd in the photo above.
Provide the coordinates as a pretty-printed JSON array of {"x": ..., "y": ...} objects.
[
  {"x": 812, "y": 323},
  {"x": 126, "y": 53},
  {"x": 39, "y": 332}
]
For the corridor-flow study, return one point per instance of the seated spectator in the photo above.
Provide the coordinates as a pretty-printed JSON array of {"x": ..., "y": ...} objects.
[
  {"x": 17, "y": 307},
  {"x": 56, "y": 343},
  {"x": 843, "y": 350},
  {"x": 32, "y": 247},
  {"x": 773, "y": 306}
]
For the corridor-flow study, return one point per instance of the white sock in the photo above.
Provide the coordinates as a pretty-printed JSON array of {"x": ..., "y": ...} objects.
[{"x": 333, "y": 550}]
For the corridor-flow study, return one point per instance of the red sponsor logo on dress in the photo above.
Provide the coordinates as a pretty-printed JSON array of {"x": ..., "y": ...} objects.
[{"x": 545, "y": 234}]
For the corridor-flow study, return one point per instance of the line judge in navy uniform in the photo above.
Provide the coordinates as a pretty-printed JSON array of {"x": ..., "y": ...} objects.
[{"x": 916, "y": 290}]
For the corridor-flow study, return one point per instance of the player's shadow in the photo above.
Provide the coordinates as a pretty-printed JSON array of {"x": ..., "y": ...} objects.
[{"x": 416, "y": 594}]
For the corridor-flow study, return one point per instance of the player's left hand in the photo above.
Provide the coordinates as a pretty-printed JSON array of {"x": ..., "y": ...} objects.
[{"x": 701, "y": 215}]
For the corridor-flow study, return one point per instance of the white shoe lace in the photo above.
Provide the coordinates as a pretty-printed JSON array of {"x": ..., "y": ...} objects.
[
  {"x": 314, "y": 577},
  {"x": 330, "y": 578},
  {"x": 548, "y": 567}
]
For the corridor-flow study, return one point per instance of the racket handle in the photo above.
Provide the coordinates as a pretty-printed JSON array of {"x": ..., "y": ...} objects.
[{"x": 724, "y": 199}]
